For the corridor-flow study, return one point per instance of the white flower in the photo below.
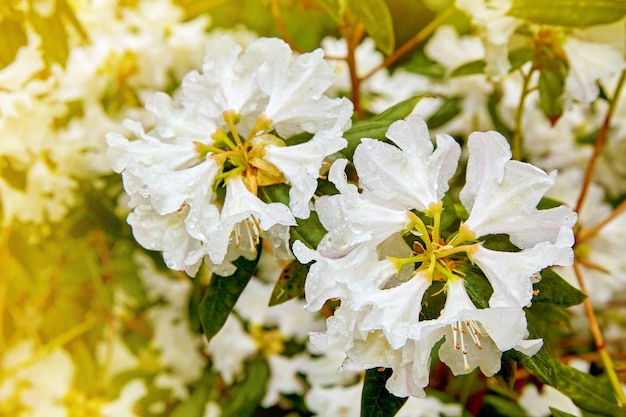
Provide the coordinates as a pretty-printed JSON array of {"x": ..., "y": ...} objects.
[
  {"x": 228, "y": 129},
  {"x": 380, "y": 273}
]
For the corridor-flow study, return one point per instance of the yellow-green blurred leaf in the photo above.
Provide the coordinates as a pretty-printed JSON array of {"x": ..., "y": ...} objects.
[
  {"x": 13, "y": 38},
  {"x": 53, "y": 35},
  {"x": 577, "y": 13},
  {"x": 375, "y": 16}
]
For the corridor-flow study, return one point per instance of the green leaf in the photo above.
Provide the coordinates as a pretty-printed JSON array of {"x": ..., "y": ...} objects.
[
  {"x": 376, "y": 401},
  {"x": 375, "y": 16},
  {"x": 195, "y": 405},
  {"x": 547, "y": 203},
  {"x": 13, "y": 37},
  {"x": 334, "y": 8},
  {"x": 551, "y": 85},
  {"x": 376, "y": 128},
  {"x": 400, "y": 110},
  {"x": 470, "y": 68},
  {"x": 310, "y": 231},
  {"x": 477, "y": 287},
  {"x": 290, "y": 283},
  {"x": 559, "y": 413},
  {"x": 519, "y": 57},
  {"x": 555, "y": 290},
  {"x": 245, "y": 396},
  {"x": 421, "y": 64},
  {"x": 222, "y": 294},
  {"x": 448, "y": 110},
  {"x": 498, "y": 123},
  {"x": 494, "y": 405},
  {"x": 587, "y": 392},
  {"x": 539, "y": 364},
  {"x": 551, "y": 315},
  {"x": 578, "y": 13}
]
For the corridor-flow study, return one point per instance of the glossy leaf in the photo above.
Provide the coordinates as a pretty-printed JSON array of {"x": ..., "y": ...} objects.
[
  {"x": 586, "y": 391},
  {"x": 375, "y": 16},
  {"x": 477, "y": 287},
  {"x": 419, "y": 63},
  {"x": 494, "y": 405},
  {"x": 222, "y": 294},
  {"x": 555, "y": 290},
  {"x": 400, "y": 110},
  {"x": 577, "y": 13},
  {"x": 540, "y": 364},
  {"x": 376, "y": 401},
  {"x": 290, "y": 283}
]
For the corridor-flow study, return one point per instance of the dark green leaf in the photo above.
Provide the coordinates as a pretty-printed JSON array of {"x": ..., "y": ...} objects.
[
  {"x": 559, "y": 413},
  {"x": 290, "y": 283},
  {"x": 245, "y": 396},
  {"x": 376, "y": 401},
  {"x": 552, "y": 315},
  {"x": 507, "y": 372},
  {"x": 222, "y": 294},
  {"x": 470, "y": 68},
  {"x": 589, "y": 138},
  {"x": 477, "y": 287},
  {"x": 494, "y": 405},
  {"x": 519, "y": 57},
  {"x": 555, "y": 290},
  {"x": 500, "y": 242},
  {"x": 551, "y": 85},
  {"x": 539, "y": 365},
  {"x": 587, "y": 392},
  {"x": 375, "y": 16},
  {"x": 448, "y": 110},
  {"x": 578, "y": 13}
]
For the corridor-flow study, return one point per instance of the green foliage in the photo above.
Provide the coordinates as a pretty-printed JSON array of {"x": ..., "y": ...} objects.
[
  {"x": 553, "y": 289},
  {"x": 53, "y": 35},
  {"x": 242, "y": 399},
  {"x": 551, "y": 87},
  {"x": 222, "y": 294},
  {"x": 195, "y": 405},
  {"x": 494, "y": 405},
  {"x": 376, "y": 128},
  {"x": 559, "y": 413},
  {"x": 419, "y": 63},
  {"x": 586, "y": 391},
  {"x": 290, "y": 283},
  {"x": 375, "y": 16},
  {"x": 449, "y": 109},
  {"x": 577, "y": 13},
  {"x": 376, "y": 401}
]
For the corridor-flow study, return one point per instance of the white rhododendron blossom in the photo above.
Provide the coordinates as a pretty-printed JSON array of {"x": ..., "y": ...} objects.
[
  {"x": 195, "y": 177},
  {"x": 395, "y": 241}
]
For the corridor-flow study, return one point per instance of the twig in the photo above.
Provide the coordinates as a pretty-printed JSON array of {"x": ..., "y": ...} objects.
[
  {"x": 420, "y": 36},
  {"x": 592, "y": 231},
  {"x": 282, "y": 28},
  {"x": 599, "y": 339},
  {"x": 600, "y": 142}
]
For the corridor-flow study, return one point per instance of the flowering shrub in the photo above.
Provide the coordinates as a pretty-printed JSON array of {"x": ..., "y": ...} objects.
[{"x": 315, "y": 208}]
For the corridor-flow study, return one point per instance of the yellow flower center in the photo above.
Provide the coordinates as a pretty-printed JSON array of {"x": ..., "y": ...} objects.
[
  {"x": 438, "y": 257},
  {"x": 243, "y": 157}
]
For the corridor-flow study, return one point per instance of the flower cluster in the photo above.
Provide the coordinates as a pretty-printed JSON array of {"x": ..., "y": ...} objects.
[
  {"x": 391, "y": 242},
  {"x": 195, "y": 177}
]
